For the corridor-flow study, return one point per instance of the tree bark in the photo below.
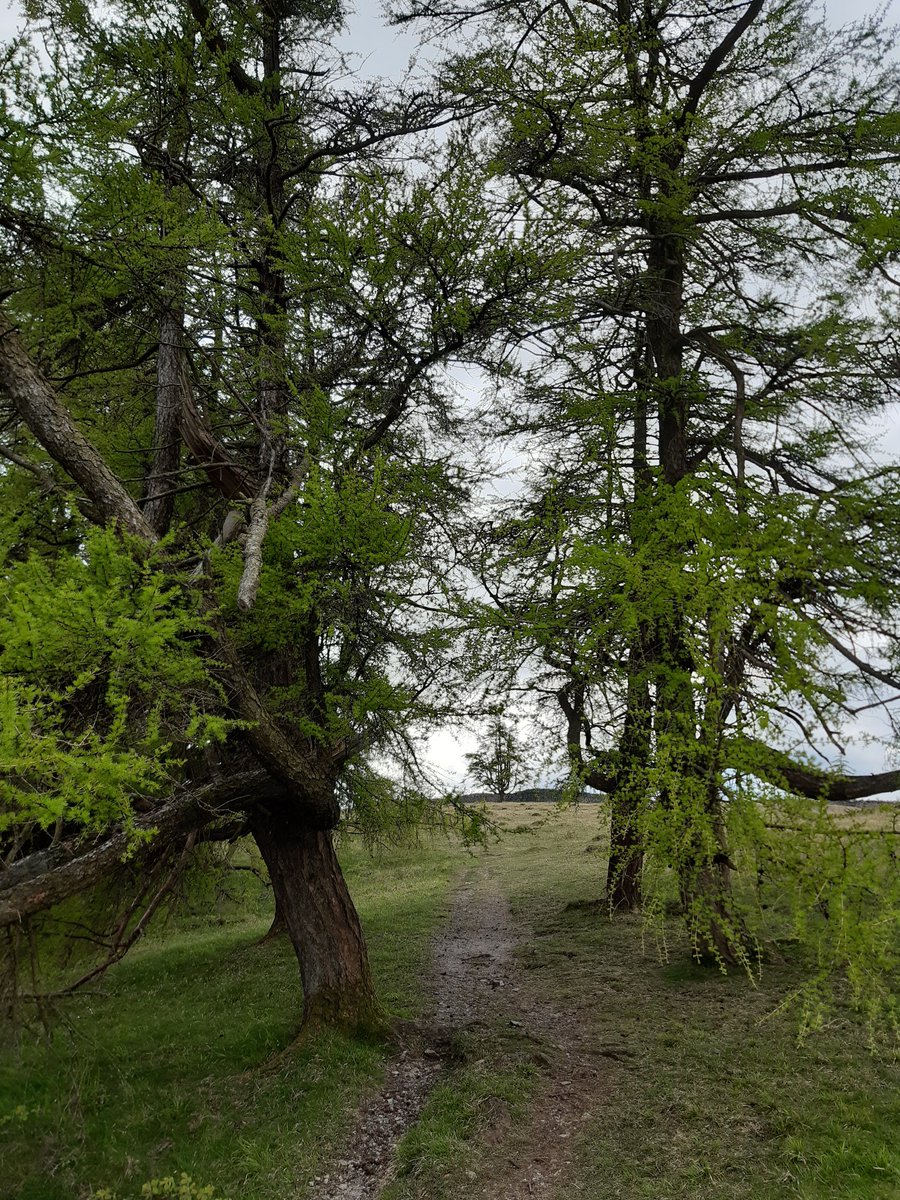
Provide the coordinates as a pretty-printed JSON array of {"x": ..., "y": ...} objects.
[
  {"x": 159, "y": 501},
  {"x": 626, "y": 862},
  {"x": 718, "y": 935},
  {"x": 775, "y": 767},
  {"x": 50, "y": 422},
  {"x": 626, "y": 852},
  {"x": 278, "y": 926},
  {"x": 322, "y": 923}
]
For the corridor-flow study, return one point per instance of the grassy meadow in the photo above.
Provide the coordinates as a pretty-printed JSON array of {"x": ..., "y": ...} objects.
[{"x": 169, "y": 1063}]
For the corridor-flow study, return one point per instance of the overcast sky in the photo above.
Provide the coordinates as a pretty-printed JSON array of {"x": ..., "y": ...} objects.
[{"x": 386, "y": 52}]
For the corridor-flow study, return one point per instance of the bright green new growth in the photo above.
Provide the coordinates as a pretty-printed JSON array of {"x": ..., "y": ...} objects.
[
  {"x": 167, "y": 1188},
  {"x": 102, "y": 687}
]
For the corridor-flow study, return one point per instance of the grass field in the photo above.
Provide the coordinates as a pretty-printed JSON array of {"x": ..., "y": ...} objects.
[{"x": 166, "y": 1065}]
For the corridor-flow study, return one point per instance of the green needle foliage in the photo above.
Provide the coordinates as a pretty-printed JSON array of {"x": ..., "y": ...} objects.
[{"x": 102, "y": 688}]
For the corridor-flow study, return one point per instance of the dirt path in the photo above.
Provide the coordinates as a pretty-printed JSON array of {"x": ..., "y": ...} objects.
[
  {"x": 485, "y": 982},
  {"x": 475, "y": 980},
  {"x": 381, "y": 1123}
]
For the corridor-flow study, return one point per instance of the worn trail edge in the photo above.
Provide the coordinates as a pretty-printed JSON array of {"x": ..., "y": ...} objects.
[
  {"x": 367, "y": 1163},
  {"x": 475, "y": 980}
]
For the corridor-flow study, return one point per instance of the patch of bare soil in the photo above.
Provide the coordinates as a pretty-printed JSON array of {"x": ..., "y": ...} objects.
[
  {"x": 472, "y": 958},
  {"x": 476, "y": 981}
]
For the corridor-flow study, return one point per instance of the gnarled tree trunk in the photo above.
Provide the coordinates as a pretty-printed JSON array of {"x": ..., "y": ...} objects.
[{"x": 321, "y": 921}]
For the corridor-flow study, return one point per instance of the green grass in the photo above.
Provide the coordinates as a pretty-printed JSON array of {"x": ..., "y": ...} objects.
[
  {"x": 707, "y": 1094},
  {"x": 165, "y": 1066},
  {"x": 488, "y": 1086},
  {"x": 703, "y": 1090}
]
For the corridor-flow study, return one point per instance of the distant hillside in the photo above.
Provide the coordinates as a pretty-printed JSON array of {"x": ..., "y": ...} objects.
[{"x": 531, "y": 796}]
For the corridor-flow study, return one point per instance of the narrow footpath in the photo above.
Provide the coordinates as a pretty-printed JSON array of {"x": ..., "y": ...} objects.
[{"x": 476, "y": 981}]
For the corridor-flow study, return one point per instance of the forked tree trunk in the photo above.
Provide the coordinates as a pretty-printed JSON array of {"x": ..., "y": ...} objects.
[{"x": 322, "y": 923}]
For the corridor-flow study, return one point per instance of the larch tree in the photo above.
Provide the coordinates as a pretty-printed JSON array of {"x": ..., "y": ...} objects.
[
  {"x": 497, "y": 763},
  {"x": 226, "y": 310},
  {"x": 707, "y": 559}
]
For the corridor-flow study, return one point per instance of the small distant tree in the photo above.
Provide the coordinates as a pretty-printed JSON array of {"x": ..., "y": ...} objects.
[{"x": 497, "y": 763}]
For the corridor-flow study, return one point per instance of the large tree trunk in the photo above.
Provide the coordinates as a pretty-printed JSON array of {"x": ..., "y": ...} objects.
[
  {"x": 716, "y": 936},
  {"x": 322, "y": 923},
  {"x": 626, "y": 852}
]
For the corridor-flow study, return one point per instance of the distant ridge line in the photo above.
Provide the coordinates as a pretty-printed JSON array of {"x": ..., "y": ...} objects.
[{"x": 530, "y": 796}]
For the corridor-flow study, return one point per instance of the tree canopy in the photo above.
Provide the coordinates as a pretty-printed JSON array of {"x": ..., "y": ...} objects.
[
  {"x": 704, "y": 567},
  {"x": 228, "y": 304}
]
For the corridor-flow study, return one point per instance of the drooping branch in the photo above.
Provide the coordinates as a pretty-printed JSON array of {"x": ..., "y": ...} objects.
[
  {"x": 41, "y": 474},
  {"x": 56, "y": 431},
  {"x": 123, "y": 941},
  {"x": 867, "y": 668},
  {"x": 49, "y": 876},
  {"x": 778, "y": 768}
]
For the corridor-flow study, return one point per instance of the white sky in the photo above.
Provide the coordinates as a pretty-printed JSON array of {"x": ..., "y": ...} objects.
[{"x": 387, "y": 52}]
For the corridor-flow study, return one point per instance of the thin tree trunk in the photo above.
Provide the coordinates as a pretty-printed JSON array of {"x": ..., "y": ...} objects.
[{"x": 322, "y": 923}]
